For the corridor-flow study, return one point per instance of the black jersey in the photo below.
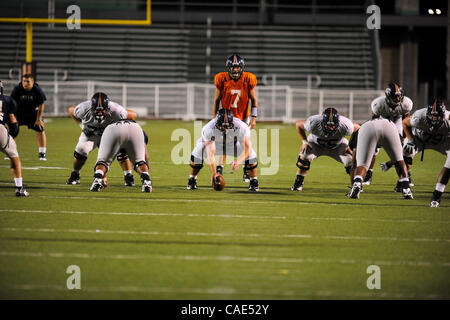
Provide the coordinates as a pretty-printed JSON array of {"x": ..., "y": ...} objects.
[{"x": 28, "y": 101}]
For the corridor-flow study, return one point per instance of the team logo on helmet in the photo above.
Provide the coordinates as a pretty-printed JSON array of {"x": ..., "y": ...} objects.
[
  {"x": 394, "y": 95},
  {"x": 436, "y": 114},
  {"x": 224, "y": 119},
  {"x": 99, "y": 105},
  {"x": 235, "y": 66},
  {"x": 330, "y": 120}
]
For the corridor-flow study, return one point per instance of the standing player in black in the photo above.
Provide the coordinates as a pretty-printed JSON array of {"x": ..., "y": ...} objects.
[
  {"x": 7, "y": 143},
  {"x": 30, "y": 107}
]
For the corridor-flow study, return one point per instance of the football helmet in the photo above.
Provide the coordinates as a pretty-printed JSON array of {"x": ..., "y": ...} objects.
[
  {"x": 235, "y": 66},
  {"x": 224, "y": 119},
  {"x": 99, "y": 105},
  {"x": 330, "y": 120},
  {"x": 394, "y": 95},
  {"x": 436, "y": 114}
]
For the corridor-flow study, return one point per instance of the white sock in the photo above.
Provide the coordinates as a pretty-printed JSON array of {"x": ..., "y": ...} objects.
[
  {"x": 192, "y": 176},
  {"x": 254, "y": 178},
  {"x": 42, "y": 150},
  {"x": 18, "y": 182},
  {"x": 125, "y": 172},
  {"x": 403, "y": 179},
  {"x": 440, "y": 187}
]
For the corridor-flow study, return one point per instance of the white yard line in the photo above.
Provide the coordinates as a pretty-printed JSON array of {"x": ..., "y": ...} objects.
[
  {"x": 220, "y": 258},
  {"x": 230, "y": 216},
  {"x": 226, "y": 291},
  {"x": 221, "y": 234}
]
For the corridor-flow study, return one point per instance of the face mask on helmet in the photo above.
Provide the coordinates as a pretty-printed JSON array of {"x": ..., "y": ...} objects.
[
  {"x": 330, "y": 120},
  {"x": 224, "y": 120},
  {"x": 436, "y": 114},
  {"x": 394, "y": 95},
  {"x": 99, "y": 105},
  {"x": 235, "y": 66}
]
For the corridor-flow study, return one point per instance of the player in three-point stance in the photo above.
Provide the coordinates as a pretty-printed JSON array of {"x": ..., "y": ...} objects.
[
  {"x": 234, "y": 89},
  {"x": 379, "y": 132},
  {"x": 7, "y": 144},
  {"x": 224, "y": 135},
  {"x": 94, "y": 116},
  {"x": 326, "y": 138},
  {"x": 429, "y": 128},
  {"x": 122, "y": 136}
]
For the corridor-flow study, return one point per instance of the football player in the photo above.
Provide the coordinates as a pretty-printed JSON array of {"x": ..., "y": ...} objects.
[
  {"x": 224, "y": 135},
  {"x": 326, "y": 137},
  {"x": 394, "y": 106},
  {"x": 7, "y": 144},
  {"x": 384, "y": 133},
  {"x": 428, "y": 128},
  {"x": 122, "y": 136},
  {"x": 30, "y": 107},
  {"x": 94, "y": 116},
  {"x": 234, "y": 89}
]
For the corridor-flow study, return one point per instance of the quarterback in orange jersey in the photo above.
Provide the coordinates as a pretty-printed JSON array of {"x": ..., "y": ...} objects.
[{"x": 234, "y": 88}]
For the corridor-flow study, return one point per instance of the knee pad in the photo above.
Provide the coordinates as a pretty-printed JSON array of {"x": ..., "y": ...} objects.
[
  {"x": 103, "y": 163},
  {"x": 79, "y": 156},
  {"x": 122, "y": 157},
  {"x": 196, "y": 163},
  {"x": 303, "y": 164},
  {"x": 250, "y": 166},
  {"x": 408, "y": 160},
  {"x": 138, "y": 164}
]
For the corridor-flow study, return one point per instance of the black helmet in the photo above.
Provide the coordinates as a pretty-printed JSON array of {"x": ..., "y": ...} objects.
[
  {"x": 99, "y": 104},
  {"x": 330, "y": 120},
  {"x": 394, "y": 95},
  {"x": 436, "y": 114},
  {"x": 224, "y": 119},
  {"x": 235, "y": 61}
]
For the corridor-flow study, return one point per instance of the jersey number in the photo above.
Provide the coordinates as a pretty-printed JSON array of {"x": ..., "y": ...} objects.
[{"x": 238, "y": 95}]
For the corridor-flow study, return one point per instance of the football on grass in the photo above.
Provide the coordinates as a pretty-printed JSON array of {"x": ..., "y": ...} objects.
[{"x": 219, "y": 183}]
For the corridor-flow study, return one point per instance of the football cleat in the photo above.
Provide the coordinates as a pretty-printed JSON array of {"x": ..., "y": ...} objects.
[
  {"x": 407, "y": 193},
  {"x": 356, "y": 190},
  {"x": 147, "y": 186},
  {"x": 398, "y": 187},
  {"x": 42, "y": 156},
  {"x": 192, "y": 184},
  {"x": 368, "y": 178},
  {"x": 384, "y": 166},
  {"x": 21, "y": 192},
  {"x": 97, "y": 184},
  {"x": 245, "y": 177},
  {"x": 298, "y": 184},
  {"x": 128, "y": 180},
  {"x": 434, "y": 204},
  {"x": 254, "y": 185},
  {"x": 219, "y": 170},
  {"x": 74, "y": 178}
]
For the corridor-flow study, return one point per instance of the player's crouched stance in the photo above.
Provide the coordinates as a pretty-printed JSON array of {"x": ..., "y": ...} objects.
[
  {"x": 224, "y": 135},
  {"x": 7, "y": 143},
  {"x": 123, "y": 136},
  {"x": 326, "y": 138},
  {"x": 383, "y": 133}
]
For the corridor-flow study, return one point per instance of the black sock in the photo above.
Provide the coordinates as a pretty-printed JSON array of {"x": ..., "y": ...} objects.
[
  {"x": 437, "y": 195},
  {"x": 300, "y": 178},
  {"x": 145, "y": 176},
  {"x": 357, "y": 180}
]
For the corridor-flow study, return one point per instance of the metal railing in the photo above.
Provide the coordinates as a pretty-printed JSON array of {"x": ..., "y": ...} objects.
[{"x": 189, "y": 101}]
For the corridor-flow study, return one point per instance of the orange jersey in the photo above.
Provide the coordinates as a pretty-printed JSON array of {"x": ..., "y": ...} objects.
[{"x": 235, "y": 94}]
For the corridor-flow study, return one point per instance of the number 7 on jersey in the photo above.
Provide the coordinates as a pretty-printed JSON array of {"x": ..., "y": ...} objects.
[{"x": 238, "y": 94}]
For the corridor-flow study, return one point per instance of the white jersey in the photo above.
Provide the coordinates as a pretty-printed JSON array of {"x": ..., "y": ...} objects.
[
  {"x": 90, "y": 125},
  {"x": 421, "y": 130},
  {"x": 380, "y": 108},
  {"x": 238, "y": 133},
  {"x": 317, "y": 135}
]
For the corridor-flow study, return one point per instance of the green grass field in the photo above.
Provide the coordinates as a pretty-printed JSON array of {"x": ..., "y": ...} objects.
[{"x": 181, "y": 244}]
